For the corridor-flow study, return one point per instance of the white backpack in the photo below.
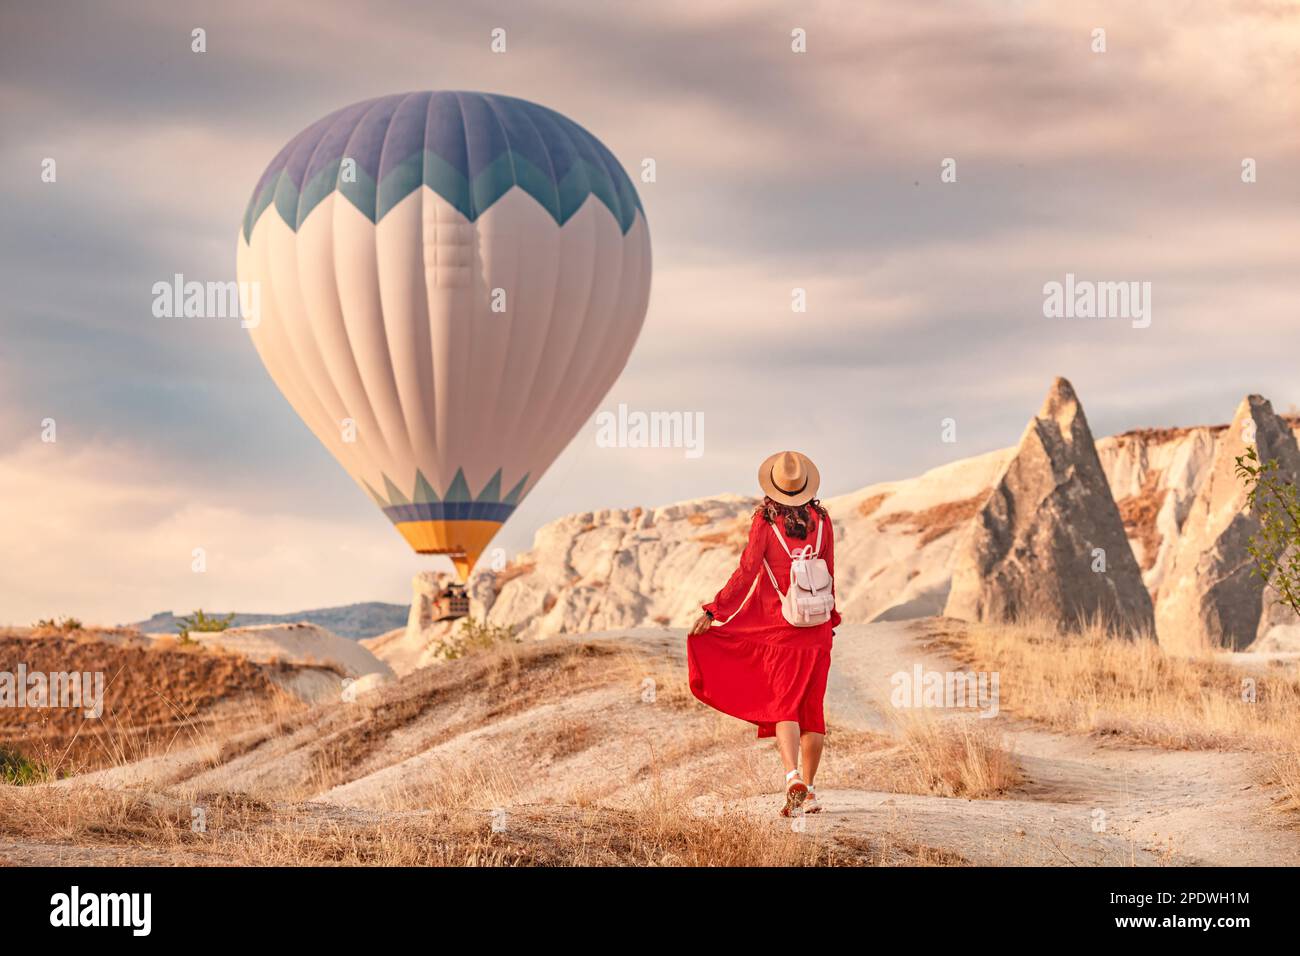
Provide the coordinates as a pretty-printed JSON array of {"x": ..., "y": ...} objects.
[{"x": 809, "y": 599}]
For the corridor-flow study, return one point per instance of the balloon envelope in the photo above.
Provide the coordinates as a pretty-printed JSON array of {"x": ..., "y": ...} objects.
[{"x": 449, "y": 285}]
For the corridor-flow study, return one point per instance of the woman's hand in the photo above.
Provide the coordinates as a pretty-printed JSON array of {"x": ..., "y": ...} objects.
[{"x": 702, "y": 624}]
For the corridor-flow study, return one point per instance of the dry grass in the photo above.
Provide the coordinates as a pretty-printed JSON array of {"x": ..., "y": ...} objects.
[
  {"x": 564, "y": 739},
  {"x": 1284, "y": 773},
  {"x": 660, "y": 679},
  {"x": 963, "y": 757},
  {"x": 172, "y": 644},
  {"x": 1091, "y": 682},
  {"x": 724, "y": 838},
  {"x": 956, "y": 758},
  {"x": 156, "y": 698},
  {"x": 690, "y": 786},
  {"x": 475, "y": 823},
  {"x": 241, "y": 832}
]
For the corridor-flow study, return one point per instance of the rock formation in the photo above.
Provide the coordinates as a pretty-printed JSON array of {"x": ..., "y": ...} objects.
[
  {"x": 318, "y": 661},
  {"x": 1154, "y": 475},
  {"x": 894, "y": 547},
  {"x": 1050, "y": 542},
  {"x": 1208, "y": 597},
  {"x": 1279, "y": 625}
]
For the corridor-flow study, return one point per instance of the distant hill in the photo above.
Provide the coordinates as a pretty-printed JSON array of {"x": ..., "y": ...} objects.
[{"x": 353, "y": 621}]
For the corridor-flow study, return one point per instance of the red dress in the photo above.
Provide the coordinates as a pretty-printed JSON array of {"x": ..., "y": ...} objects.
[{"x": 752, "y": 663}]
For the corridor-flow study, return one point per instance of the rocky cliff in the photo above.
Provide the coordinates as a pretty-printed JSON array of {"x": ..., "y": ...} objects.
[
  {"x": 1209, "y": 596},
  {"x": 1049, "y": 541},
  {"x": 894, "y": 546}
]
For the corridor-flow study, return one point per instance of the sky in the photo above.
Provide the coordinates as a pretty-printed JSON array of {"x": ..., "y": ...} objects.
[{"x": 775, "y": 170}]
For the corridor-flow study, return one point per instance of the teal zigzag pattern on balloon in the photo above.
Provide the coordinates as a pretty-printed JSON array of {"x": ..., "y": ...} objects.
[
  {"x": 471, "y": 198},
  {"x": 469, "y": 148},
  {"x": 459, "y": 503}
]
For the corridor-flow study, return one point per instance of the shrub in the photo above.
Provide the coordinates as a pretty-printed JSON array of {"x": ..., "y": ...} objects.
[
  {"x": 17, "y": 770},
  {"x": 63, "y": 624},
  {"x": 203, "y": 623},
  {"x": 1275, "y": 547},
  {"x": 475, "y": 635}
]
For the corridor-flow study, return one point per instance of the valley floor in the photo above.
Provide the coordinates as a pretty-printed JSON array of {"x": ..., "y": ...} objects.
[
  {"x": 1084, "y": 800},
  {"x": 590, "y": 750}
]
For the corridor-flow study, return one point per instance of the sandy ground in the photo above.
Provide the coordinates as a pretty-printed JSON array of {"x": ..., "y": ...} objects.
[{"x": 576, "y": 728}]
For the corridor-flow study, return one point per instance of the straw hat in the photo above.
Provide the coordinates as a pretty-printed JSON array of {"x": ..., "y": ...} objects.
[{"x": 789, "y": 478}]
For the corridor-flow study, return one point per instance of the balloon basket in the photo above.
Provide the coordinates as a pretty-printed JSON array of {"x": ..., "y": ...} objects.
[{"x": 452, "y": 604}]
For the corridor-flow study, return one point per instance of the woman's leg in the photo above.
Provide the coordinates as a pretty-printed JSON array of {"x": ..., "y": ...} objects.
[
  {"x": 811, "y": 745},
  {"x": 787, "y": 742}
]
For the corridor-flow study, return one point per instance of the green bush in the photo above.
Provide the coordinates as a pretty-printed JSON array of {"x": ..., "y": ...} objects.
[
  {"x": 475, "y": 635},
  {"x": 202, "y": 623},
  {"x": 17, "y": 770},
  {"x": 1275, "y": 547}
]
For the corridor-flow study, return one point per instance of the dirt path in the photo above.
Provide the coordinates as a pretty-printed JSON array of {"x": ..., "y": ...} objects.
[
  {"x": 1085, "y": 801},
  {"x": 577, "y": 731}
]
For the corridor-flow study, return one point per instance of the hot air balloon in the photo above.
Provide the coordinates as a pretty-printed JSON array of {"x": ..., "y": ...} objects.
[{"x": 449, "y": 285}]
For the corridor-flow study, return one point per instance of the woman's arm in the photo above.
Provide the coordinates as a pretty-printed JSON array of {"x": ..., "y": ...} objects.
[
  {"x": 828, "y": 554},
  {"x": 733, "y": 593}
]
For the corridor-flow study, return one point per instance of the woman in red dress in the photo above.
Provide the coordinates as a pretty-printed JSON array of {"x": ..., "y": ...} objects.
[{"x": 745, "y": 658}]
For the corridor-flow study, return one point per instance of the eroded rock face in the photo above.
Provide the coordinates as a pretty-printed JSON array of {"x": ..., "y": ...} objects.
[
  {"x": 1154, "y": 475},
  {"x": 426, "y": 587},
  {"x": 304, "y": 645},
  {"x": 1208, "y": 597},
  {"x": 895, "y": 544},
  {"x": 1050, "y": 542},
  {"x": 1279, "y": 625},
  {"x": 623, "y": 568}
]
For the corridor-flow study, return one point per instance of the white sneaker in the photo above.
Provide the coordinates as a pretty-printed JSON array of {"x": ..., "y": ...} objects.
[
  {"x": 810, "y": 804},
  {"x": 796, "y": 791}
]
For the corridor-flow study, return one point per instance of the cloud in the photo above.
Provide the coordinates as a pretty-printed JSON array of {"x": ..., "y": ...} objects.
[
  {"x": 775, "y": 170},
  {"x": 103, "y": 533}
]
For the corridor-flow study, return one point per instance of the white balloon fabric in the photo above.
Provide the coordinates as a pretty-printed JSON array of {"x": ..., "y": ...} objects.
[{"x": 450, "y": 283}]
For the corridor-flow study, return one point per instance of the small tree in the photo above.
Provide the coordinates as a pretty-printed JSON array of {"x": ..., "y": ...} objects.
[
  {"x": 203, "y": 623},
  {"x": 1275, "y": 547},
  {"x": 470, "y": 635}
]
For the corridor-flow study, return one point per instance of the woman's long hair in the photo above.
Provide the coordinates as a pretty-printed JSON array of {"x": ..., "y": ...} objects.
[{"x": 793, "y": 518}]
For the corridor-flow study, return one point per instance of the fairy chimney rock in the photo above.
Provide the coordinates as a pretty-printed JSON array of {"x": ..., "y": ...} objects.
[
  {"x": 1279, "y": 624},
  {"x": 1209, "y": 597},
  {"x": 1049, "y": 542}
]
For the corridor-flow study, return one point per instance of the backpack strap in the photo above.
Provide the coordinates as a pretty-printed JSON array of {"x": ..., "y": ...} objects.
[
  {"x": 744, "y": 601},
  {"x": 817, "y": 551},
  {"x": 772, "y": 577},
  {"x": 781, "y": 538}
]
